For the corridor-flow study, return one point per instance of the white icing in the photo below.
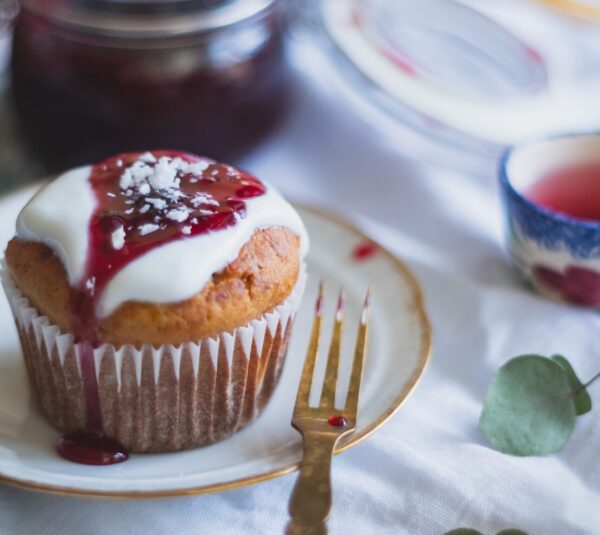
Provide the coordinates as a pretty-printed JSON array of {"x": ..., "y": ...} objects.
[{"x": 59, "y": 215}]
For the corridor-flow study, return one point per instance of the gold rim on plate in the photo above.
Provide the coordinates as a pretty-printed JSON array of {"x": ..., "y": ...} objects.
[
  {"x": 575, "y": 9},
  {"x": 418, "y": 307}
]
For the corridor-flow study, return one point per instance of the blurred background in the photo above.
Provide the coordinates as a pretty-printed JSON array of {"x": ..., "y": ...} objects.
[
  {"x": 392, "y": 111},
  {"x": 446, "y": 82}
]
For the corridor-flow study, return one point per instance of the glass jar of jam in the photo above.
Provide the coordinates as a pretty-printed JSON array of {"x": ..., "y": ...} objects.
[{"x": 97, "y": 77}]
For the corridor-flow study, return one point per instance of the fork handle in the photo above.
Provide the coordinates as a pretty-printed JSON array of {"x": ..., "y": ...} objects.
[{"x": 311, "y": 499}]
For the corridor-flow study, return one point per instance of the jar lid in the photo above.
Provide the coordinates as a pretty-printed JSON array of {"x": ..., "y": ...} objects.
[
  {"x": 146, "y": 18},
  {"x": 451, "y": 70}
]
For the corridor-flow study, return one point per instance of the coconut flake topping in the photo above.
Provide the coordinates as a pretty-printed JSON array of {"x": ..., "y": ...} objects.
[
  {"x": 158, "y": 181},
  {"x": 118, "y": 238}
]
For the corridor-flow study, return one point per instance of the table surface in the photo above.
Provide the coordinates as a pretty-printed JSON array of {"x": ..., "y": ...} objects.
[{"x": 429, "y": 469}]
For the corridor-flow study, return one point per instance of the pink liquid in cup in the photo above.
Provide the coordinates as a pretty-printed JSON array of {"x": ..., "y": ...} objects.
[{"x": 573, "y": 191}]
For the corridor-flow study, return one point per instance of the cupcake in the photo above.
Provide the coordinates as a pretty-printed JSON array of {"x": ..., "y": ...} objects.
[{"x": 154, "y": 295}]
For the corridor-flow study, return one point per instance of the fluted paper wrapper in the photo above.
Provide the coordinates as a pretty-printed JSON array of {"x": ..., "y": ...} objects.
[{"x": 158, "y": 399}]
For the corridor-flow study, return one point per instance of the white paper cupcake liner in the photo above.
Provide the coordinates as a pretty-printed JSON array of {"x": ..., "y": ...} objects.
[{"x": 158, "y": 399}]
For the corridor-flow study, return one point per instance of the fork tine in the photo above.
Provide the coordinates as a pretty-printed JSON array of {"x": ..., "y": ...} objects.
[
  {"x": 333, "y": 360},
  {"x": 303, "y": 396},
  {"x": 351, "y": 407}
]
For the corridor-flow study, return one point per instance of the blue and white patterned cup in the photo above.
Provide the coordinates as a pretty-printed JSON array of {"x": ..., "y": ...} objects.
[{"x": 558, "y": 254}]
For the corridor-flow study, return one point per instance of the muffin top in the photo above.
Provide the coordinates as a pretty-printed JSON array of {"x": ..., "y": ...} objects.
[{"x": 159, "y": 237}]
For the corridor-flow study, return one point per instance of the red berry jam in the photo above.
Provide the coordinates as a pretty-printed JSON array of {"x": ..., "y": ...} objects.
[
  {"x": 337, "y": 421},
  {"x": 83, "y": 92},
  {"x": 91, "y": 448},
  {"x": 183, "y": 196},
  {"x": 364, "y": 251}
]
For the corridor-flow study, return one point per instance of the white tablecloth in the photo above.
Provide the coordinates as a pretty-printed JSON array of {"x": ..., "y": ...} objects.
[{"x": 429, "y": 469}]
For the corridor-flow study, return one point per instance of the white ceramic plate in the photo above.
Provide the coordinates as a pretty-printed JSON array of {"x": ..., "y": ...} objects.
[{"x": 398, "y": 350}]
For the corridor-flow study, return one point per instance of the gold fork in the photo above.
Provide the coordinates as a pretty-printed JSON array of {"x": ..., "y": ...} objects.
[{"x": 322, "y": 427}]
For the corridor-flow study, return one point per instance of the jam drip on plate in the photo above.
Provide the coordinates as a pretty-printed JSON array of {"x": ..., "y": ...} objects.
[
  {"x": 88, "y": 447},
  {"x": 143, "y": 200}
]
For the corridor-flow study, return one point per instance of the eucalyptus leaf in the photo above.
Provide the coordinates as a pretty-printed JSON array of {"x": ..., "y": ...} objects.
[
  {"x": 528, "y": 409},
  {"x": 583, "y": 401},
  {"x": 463, "y": 531}
]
